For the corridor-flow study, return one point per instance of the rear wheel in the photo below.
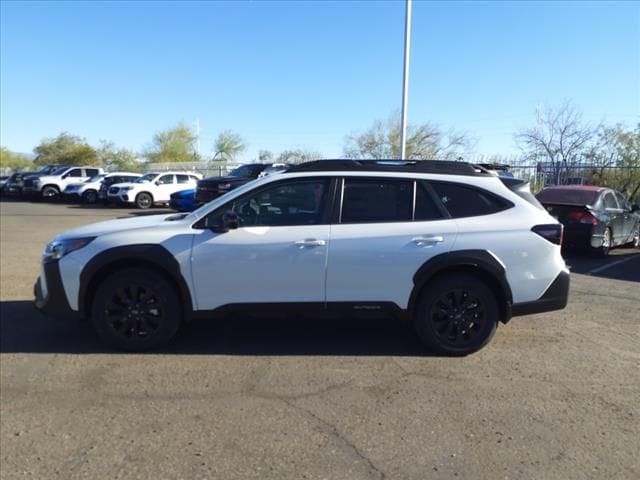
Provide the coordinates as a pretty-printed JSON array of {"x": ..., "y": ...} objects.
[
  {"x": 90, "y": 196},
  {"x": 635, "y": 242},
  {"x": 457, "y": 314},
  {"x": 603, "y": 250},
  {"x": 144, "y": 200},
  {"x": 136, "y": 309}
]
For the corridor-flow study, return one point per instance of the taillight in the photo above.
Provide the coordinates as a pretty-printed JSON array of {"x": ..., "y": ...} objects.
[
  {"x": 552, "y": 233},
  {"x": 582, "y": 217}
]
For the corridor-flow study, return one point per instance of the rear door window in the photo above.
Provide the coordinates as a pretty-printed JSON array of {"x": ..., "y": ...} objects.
[
  {"x": 465, "y": 201},
  {"x": 377, "y": 200},
  {"x": 609, "y": 201}
]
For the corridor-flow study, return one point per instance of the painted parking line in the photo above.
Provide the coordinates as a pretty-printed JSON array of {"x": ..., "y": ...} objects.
[{"x": 609, "y": 265}]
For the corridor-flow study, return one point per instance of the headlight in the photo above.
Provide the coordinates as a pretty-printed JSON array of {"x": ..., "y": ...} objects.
[{"x": 59, "y": 248}]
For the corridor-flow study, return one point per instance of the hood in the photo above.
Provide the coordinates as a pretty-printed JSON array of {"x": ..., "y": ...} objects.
[{"x": 118, "y": 225}]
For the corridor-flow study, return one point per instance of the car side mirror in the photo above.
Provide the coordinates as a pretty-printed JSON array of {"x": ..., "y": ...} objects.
[
  {"x": 635, "y": 207},
  {"x": 228, "y": 221}
]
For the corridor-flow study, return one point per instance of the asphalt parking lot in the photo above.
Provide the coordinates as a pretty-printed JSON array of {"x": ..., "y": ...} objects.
[{"x": 554, "y": 396}]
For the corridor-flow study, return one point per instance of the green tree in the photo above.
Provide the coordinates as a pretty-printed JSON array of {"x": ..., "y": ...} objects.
[
  {"x": 424, "y": 142},
  {"x": 13, "y": 161},
  {"x": 228, "y": 146},
  {"x": 65, "y": 149},
  {"x": 175, "y": 144},
  {"x": 113, "y": 158}
]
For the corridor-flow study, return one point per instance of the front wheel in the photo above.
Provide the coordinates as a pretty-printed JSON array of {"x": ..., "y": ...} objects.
[
  {"x": 50, "y": 192},
  {"x": 136, "y": 309},
  {"x": 144, "y": 200},
  {"x": 457, "y": 314},
  {"x": 90, "y": 196}
]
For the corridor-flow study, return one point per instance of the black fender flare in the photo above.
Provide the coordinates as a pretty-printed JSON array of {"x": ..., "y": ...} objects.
[
  {"x": 141, "y": 255},
  {"x": 479, "y": 262}
]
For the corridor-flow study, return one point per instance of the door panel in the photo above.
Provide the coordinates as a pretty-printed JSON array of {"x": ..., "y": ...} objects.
[
  {"x": 376, "y": 262},
  {"x": 260, "y": 264}
]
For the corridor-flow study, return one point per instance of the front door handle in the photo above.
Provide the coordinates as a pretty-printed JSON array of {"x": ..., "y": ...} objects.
[
  {"x": 425, "y": 240},
  {"x": 310, "y": 242}
]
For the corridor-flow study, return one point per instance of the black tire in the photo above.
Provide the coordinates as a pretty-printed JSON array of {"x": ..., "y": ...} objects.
[
  {"x": 144, "y": 200},
  {"x": 90, "y": 196},
  {"x": 50, "y": 192},
  {"x": 635, "y": 240},
  {"x": 136, "y": 310},
  {"x": 603, "y": 250},
  {"x": 457, "y": 314}
]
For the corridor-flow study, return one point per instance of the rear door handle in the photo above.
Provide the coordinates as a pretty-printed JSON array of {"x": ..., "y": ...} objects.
[
  {"x": 426, "y": 240},
  {"x": 310, "y": 242}
]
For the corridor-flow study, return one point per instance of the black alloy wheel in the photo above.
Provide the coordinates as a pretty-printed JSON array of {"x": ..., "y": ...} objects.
[
  {"x": 457, "y": 315},
  {"x": 136, "y": 310}
]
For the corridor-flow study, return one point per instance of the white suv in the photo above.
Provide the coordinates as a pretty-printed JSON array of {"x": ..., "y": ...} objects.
[
  {"x": 446, "y": 245},
  {"x": 152, "y": 188}
]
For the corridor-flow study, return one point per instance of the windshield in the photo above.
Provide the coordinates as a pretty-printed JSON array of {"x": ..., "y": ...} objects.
[
  {"x": 242, "y": 171},
  {"x": 58, "y": 171},
  {"x": 146, "y": 178},
  {"x": 199, "y": 212}
]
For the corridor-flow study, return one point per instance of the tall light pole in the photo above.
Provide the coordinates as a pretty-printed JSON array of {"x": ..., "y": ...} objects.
[{"x": 405, "y": 80}]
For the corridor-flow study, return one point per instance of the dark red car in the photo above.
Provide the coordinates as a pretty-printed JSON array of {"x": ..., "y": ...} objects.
[{"x": 594, "y": 218}]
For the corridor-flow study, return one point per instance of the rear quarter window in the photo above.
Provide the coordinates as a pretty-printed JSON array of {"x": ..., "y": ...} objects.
[{"x": 466, "y": 201}]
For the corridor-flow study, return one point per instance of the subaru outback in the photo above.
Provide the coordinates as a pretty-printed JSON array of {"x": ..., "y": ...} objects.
[{"x": 447, "y": 246}]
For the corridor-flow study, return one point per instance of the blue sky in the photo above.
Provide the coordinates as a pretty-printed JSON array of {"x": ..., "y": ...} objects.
[{"x": 306, "y": 74}]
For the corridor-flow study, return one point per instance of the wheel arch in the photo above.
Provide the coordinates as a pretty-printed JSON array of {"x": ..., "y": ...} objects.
[
  {"x": 152, "y": 257},
  {"x": 52, "y": 185},
  {"x": 479, "y": 263}
]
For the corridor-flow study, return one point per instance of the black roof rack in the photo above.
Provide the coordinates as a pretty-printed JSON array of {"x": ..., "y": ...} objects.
[{"x": 410, "y": 166}]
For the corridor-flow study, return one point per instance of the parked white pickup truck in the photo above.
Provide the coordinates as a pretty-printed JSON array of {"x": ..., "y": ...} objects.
[{"x": 50, "y": 186}]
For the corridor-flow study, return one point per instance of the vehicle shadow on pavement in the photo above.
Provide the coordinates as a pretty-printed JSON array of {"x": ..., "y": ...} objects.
[
  {"x": 622, "y": 264},
  {"x": 24, "y": 330}
]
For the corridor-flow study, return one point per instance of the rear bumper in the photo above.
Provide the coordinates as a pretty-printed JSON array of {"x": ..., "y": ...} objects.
[
  {"x": 554, "y": 298},
  {"x": 52, "y": 303}
]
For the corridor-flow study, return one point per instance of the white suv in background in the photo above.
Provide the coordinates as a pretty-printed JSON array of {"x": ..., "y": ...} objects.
[
  {"x": 446, "y": 245},
  {"x": 152, "y": 188}
]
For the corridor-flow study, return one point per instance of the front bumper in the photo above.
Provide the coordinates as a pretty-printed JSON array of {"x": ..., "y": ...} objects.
[
  {"x": 554, "y": 298},
  {"x": 52, "y": 300}
]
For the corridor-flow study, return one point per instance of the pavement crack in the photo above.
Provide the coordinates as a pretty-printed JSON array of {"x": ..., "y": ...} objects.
[{"x": 333, "y": 431}]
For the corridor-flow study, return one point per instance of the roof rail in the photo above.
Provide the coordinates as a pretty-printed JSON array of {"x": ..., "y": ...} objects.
[{"x": 411, "y": 166}]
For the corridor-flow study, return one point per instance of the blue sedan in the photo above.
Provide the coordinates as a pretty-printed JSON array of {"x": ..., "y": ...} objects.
[{"x": 184, "y": 200}]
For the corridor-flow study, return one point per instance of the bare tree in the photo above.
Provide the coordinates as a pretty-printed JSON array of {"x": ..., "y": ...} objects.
[
  {"x": 424, "y": 142},
  {"x": 561, "y": 137}
]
